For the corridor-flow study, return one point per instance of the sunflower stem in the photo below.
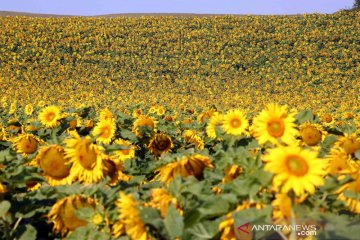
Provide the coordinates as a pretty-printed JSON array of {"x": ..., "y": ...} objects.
[
  {"x": 281, "y": 235},
  {"x": 16, "y": 224},
  {"x": 293, "y": 223}
]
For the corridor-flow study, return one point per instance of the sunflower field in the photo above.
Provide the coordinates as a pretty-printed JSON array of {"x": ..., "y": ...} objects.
[{"x": 180, "y": 127}]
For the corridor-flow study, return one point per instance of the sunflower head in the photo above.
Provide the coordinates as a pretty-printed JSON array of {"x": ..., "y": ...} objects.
[
  {"x": 215, "y": 121},
  {"x": 192, "y": 165},
  {"x": 26, "y": 143},
  {"x": 235, "y": 122},
  {"x": 50, "y": 116},
  {"x": 295, "y": 169},
  {"x": 86, "y": 157},
  {"x": 63, "y": 213},
  {"x": 353, "y": 204},
  {"x": 124, "y": 154},
  {"x": 29, "y": 109},
  {"x": 105, "y": 131},
  {"x": 52, "y": 161},
  {"x": 311, "y": 134},
  {"x": 106, "y": 115},
  {"x": 161, "y": 199},
  {"x": 349, "y": 143},
  {"x": 160, "y": 144},
  {"x": 144, "y": 122},
  {"x": 274, "y": 124},
  {"x": 327, "y": 119}
]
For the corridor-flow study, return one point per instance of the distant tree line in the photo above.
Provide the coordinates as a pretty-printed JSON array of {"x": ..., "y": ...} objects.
[{"x": 357, "y": 4}]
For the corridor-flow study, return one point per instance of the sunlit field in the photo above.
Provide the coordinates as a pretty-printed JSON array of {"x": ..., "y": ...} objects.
[{"x": 180, "y": 127}]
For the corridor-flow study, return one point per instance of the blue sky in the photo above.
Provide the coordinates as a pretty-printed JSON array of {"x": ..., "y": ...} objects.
[{"x": 96, "y": 7}]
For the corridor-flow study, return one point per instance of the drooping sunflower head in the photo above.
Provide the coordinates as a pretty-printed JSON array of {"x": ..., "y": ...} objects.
[
  {"x": 235, "y": 122},
  {"x": 26, "y": 143},
  {"x": 350, "y": 143},
  {"x": 50, "y": 116},
  {"x": 52, "y": 161},
  {"x": 160, "y": 144},
  {"x": 124, "y": 154},
  {"x": 161, "y": 199},
  {"x": 192, "y": 165},
  {"x": 105, "y": 131},
  {"x": 144, "y": 122},
  {"x": 340, "y": 162},
  {"x": 86, "y": 158},
  {"x": 115, "y": 171},
  {"x": 311, "y": 134},
  {"x": 63, "y": 213},
  {"x": 295, "y": 169},
  {"x": 274, "y": 124},
  {"x": 231, "y": 173}
]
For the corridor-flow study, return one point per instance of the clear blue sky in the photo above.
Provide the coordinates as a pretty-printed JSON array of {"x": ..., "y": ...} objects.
[{"x": 96, "y": 7}]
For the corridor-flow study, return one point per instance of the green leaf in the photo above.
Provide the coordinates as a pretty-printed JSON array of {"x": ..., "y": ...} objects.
[
  {"x": 85, "y": 213},
  {"x": 128, "y": 135},
  {"x": 4, "y": 208},
  {"x": 216, "y": 207},
  {"x": 29, "y": 233},
  {"x": 204, "y": 230},
  {"x": 174, "y": 222},
  {"x": 352, "y": 194}
]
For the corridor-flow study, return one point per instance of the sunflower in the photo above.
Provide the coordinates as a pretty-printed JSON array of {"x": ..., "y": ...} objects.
[
  {"x": 13, "y": 107},
  {"x": 311, "y": 134},
  {"x": 340, "y": 162},
  {"x": 353, "y": 204},
  {"x": 190, "y": 165},
  {"x": 124, "y": 154},
  {"x": 190, "y": 136},
  {"x": 282, "y": 209},
  {"x": 105, "y": 131},
  {"x": 234, "y": 122},
  {"x": 63, "y": 213},
  {"x": 86, "y": 158},
  {"x": 161, "y": 199},
  {"x": 106, "y": 115},
  {"x": 115, "y": 172},
  {"x": 215, "y": 122},
  {"x": 274, "y": 124},
  {"x": 350, "y": 143},
  {"x": 2, "y": 134},
  {"x": 327, "y": 119},
  {"x": 144, "y": 121},
  {"x": 296, "y": 169},
  {"x": 160, "y": 144},
  {"x": 129, "y": 219},
  {"x": 26, "y": 143},
  {"x": 52, "y": 161},
  {"x": 231, "y": 173},
  {"x": 29, "y": 109},
  {"x": 49, "y": 116}
]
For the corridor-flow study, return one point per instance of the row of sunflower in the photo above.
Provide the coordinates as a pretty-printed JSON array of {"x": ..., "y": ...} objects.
[
  {"x": 159, "y": 173},
  {"x": 306, "y": 61}
]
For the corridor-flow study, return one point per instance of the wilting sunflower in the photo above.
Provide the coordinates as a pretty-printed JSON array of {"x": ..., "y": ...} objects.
[
  {"x": 353, "y": 204},
  {"x": 105, "y": 131},
  {"x": 63, "y": 215},
  {"x": 350, "y": 143},
  {"x": 235, "y": 122},
  {"x": 50, "y": 116},
  {"x": 26, "y": 143},
  {"x": 52, "y": 161},
  {"x": 124, "y": 154},
  {"x": 295, "y": 169},
  {"x": 274, "y": 123},
  {"x": 143, "y": 121},
  {"x": 190, "y": 136},
  {"x": 160, "y": 144},
  {"x": 311, "y": 134},
  {"x": 190, "y": 165},
  {"x": 129, "y": 218},
  {"x": 29, "y": 109},
  {"x": 86, "y": 158},
  {"x": 161, "y": 199},
  {"x": 215, "y": 122}
]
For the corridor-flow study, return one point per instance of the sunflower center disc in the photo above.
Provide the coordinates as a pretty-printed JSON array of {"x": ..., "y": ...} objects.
[
  {"x": 297, "y": 165},
  {"x": 276, "y": 128},
  {"x": 235, "y": 123}
]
